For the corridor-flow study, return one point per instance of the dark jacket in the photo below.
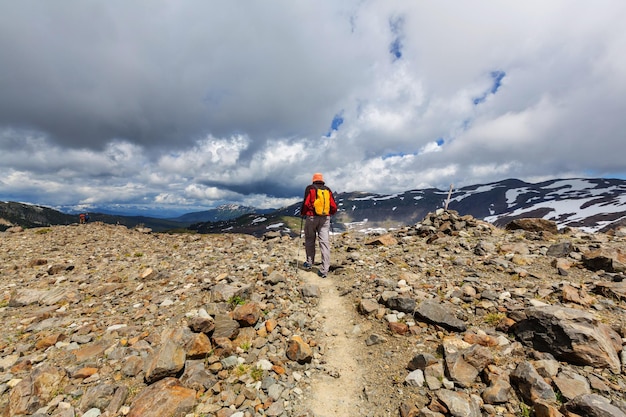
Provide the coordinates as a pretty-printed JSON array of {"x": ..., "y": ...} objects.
[{"x": 310, "y": 194}]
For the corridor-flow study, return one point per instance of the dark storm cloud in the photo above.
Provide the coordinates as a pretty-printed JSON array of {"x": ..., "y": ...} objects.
[{"x": 158, "y": 73}]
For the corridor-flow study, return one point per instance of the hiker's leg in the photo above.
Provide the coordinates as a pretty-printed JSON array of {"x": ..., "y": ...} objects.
[
  {"x": 324, "y": 241},
  {"x": 309, "y": 239}
]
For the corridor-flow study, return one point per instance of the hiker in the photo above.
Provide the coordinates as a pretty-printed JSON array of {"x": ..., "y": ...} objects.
[
  {"x": 317, "y": 207},
  {"x": 81, "y": 218},
  {"x": 86, "y": 217}
]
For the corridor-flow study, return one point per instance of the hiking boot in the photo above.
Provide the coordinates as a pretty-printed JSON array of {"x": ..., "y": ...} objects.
[
  {"x": 307, "y": 265},
  {"x": 321, "y": 274}
]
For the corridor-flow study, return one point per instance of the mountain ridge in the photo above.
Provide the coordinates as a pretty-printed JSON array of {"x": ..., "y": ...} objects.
[{"x": 591, "y": 204}]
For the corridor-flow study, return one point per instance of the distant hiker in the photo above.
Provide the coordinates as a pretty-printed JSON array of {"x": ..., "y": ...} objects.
[
  {"x": 317, "y": 207},
  {"x": 86, "y": 217},
  {"x": 81, "y": 218}
]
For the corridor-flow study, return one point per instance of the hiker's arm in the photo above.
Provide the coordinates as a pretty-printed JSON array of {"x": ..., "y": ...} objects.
[{"x": 306, "y": 202}]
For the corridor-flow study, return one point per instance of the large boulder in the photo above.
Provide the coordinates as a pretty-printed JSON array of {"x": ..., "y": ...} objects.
[
  {"x": 431, "y": 311},
  {"x": 605, "y": 259},
  {"x": 166, "y": 398},
  {"x": 533, "y": 225},
  {"x": 593, "y": 405},
  {"x": 570, "y": 335}
]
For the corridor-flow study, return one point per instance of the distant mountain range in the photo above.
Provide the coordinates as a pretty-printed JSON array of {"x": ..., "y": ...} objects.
[
  {"x": 221, "y": 213},
  {"x": 588, "y": 204},
  {"x": 28, "y": 215}
]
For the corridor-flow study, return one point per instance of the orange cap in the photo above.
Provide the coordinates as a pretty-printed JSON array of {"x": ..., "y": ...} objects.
[{"x": 318, "y": 177}]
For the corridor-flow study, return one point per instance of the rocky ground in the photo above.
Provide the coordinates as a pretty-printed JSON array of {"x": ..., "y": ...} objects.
[{"x": 449, "y": 317}]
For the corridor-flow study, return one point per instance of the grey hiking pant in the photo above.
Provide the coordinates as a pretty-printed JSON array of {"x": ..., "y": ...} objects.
[{"x": 317, "y": 226}]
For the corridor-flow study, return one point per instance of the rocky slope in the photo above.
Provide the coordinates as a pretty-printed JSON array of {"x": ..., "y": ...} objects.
[{"x": 449, "y": 317}]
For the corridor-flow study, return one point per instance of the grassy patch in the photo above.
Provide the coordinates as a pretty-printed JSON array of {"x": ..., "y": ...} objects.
[
  {"x": 236, "y": 300},
  {"x": 257, "y": 373},
  {"x": 494, "y": 318}
]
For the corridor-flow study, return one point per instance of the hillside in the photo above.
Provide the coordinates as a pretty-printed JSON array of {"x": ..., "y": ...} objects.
[
  {"x": 452, "y": 317},
  {"x": 28, "y": 215}
]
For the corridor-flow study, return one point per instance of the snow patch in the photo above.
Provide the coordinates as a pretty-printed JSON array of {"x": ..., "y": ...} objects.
[{"x": 571, "y": 211}]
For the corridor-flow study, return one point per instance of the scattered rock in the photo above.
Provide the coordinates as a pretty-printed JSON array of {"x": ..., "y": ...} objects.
[
  {"x": 298, "y": 350},
  {"x": 457, "y": 317},
  {"x": 385, "y": 240},
  {"x": 530, "y": 385}
]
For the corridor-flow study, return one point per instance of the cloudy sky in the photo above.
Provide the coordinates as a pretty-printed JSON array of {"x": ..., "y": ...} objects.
[{"x": 181, "y": 106}]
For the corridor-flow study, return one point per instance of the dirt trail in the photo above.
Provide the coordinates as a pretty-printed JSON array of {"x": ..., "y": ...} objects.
[{"x": 337, "y": 392}]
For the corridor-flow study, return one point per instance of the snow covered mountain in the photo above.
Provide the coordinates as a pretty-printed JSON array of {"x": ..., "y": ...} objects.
[{"x": 588, "y": 204}]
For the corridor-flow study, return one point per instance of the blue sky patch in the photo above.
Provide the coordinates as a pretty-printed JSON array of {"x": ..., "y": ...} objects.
[
  {"x": 396, "y": 49},
  {"x": 394, "y": 154},
  {"x": 496, "y": 77},
  {"x": 335, "y": 123},
  {"x": 396, "y": 25}
]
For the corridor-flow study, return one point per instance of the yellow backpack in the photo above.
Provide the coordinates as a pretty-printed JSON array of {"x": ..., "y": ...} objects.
[{"x": 322, "y": 201}]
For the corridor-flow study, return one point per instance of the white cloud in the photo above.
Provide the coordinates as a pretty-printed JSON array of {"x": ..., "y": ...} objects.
[
  {"x": 209, "y": 155},
  {"x": 209, "y": 194}
]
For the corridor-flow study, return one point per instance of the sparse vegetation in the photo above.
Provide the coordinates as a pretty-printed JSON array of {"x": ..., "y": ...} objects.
[
  {"x": 133, "y": 391},
  {"x": 559, "y": 396},
  {"x": 236, "y": 300},
  {"x": 257, "y": 373},
  {"x": 240, "y": 369},
  {"x": 525, "y": 411},
  {"x": 494, "y": 318}
]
